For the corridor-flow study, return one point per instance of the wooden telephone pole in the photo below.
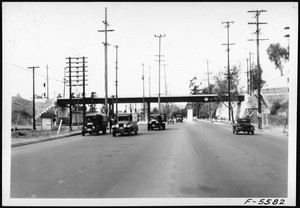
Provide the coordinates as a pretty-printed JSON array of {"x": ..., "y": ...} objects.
[
  {"x": 33, "y": 98},
  {"x": 159, "y": 60},
  {"x": 105, "y": 57},
  {"x": 228, "y": 66},
  {"x": 257, "y": 23}
]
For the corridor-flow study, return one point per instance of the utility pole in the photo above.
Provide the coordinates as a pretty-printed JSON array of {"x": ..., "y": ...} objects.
[
  {"x": 105, "y": 57},
  {"x": 143, "y": 94},
  {"x": 149, "y": 83},
  {"x": 74, "y": 63},
  {"x": 166, "y": 91},
  {"x": 65, "y": 81},
  {"x": 47, "y": 83},
  {"x": 207, "y": 62},
  {"x": 116, "y": 82},
  {"x": 228, "y": 66},
  {"x": 159, "y": 60},
  {"x": 247, "y": 74},
  {"x": 33, "y": 98},
  {"x": 250, "y": 73},
  {"x": 257, "y": 23}
]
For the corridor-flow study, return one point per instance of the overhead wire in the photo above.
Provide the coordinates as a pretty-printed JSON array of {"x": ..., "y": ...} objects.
[{"x": 38, "y": 73}]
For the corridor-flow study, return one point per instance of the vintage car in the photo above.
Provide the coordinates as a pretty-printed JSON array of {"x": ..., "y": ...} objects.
[
  {"x": 126, "y": 123},
  {"x": 157, "y": 121},
  {"x": 243, "y": 124},
  {"x": 179, "y": 118},
  {"x": 170, "y": 120},
  {"x": 94, "y": 123}
]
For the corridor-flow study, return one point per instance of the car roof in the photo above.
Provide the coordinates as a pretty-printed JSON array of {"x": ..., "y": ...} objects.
[
  {"x": 124, "y": 114},
  {"x": 243, "y": 119},
  {"x": 95, "y": 114}
]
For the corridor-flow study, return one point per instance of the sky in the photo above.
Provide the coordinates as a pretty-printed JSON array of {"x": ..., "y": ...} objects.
[{"x": 46, "y": 33}]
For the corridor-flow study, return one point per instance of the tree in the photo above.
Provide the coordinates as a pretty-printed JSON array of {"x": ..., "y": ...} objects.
[
  {"x": 221, "y": 85},
  {"x": 277, "y": 54},
  {"x": 255, "y": 78},
  {"x": 194, "y": 88}
]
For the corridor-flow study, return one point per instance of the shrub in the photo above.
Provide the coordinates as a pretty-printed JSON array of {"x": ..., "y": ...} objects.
[{"x": 276, "y": 105}]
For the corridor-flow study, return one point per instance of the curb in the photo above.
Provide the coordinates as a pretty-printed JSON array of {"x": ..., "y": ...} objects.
[{"x": 21, "y": 143}]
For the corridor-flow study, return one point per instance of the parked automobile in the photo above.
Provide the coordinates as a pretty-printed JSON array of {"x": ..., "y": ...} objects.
[
  {"x": 243, "y": 124},
  {"x": 126, "y": 123},
  {"x": 157, "y": 121},
  {"x": 179, "y": 118},
  {"x": 170, "y": 120},
  {"x": 94, "y": 123}
]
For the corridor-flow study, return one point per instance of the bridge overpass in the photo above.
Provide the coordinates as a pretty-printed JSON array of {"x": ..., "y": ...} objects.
[{"x": 163, "y": 99}]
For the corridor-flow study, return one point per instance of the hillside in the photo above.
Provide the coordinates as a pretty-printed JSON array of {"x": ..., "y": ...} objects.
[
  {"x": 23, "y": 107},
  {"x": 279, "y": 115}
]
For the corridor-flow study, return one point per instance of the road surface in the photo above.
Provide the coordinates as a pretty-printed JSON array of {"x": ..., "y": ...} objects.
[{"x": 186, "y": 160}]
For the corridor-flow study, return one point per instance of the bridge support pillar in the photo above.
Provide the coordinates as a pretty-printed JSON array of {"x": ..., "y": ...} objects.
[
  {"x": 148, "y": 111},
  {"x": 190, "y": 115}
]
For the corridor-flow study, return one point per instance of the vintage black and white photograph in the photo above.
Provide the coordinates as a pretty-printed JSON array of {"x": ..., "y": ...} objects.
[{"x": 149, "y": 103}]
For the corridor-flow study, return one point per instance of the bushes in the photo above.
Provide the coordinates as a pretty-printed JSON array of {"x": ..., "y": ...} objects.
[{"x": 275, "y": 107}]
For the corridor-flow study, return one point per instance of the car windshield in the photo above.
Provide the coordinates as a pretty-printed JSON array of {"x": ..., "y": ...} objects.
[
  {"x": 123, "y": 118},
  {"x": 244, "y": 120},
  {"x": 90, "y": 119}
]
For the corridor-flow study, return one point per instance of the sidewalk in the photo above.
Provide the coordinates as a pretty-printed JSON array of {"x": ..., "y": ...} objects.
[
  {"x": 271, "y": 129},
  {"x": 21, "y": 142}
]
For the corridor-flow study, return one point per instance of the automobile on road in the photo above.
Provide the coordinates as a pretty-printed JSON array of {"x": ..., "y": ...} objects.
[
  {"x": 94, "y": 123},
  {"x": 243, "y": 124},
  {"x": 179, "y": 118},
  {"x": 126, "y": 123},
  {"x": 157, "y": 121},
  {"x": 170, "y": 120}
]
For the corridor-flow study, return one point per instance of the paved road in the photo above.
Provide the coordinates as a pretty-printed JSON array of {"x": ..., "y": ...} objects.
[{"x": 185, "y": 160}]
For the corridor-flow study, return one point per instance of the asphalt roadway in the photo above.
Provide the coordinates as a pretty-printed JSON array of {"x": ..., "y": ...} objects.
[{"x": 198, "y": 160}]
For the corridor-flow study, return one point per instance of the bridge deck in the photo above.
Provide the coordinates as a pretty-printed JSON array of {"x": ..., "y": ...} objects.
[{"x": 164, "y": 99}]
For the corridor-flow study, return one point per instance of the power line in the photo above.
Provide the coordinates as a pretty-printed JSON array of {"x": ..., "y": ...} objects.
[{"x": 38, "y": 73}]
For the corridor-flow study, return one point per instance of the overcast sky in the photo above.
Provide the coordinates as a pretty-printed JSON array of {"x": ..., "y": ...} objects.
[{"x": 40, "y": 34}]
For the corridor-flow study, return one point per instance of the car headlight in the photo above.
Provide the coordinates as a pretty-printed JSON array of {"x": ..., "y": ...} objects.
[{"x": 125, "y": 125}]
